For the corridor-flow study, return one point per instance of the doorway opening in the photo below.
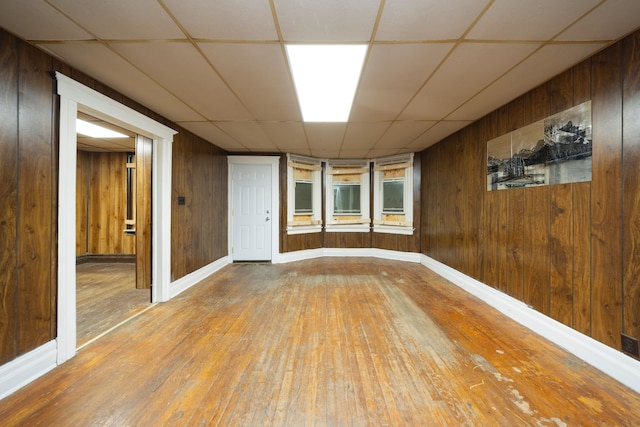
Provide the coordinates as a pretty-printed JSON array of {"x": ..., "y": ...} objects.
[
  {"x": 75, "y": 97},
  {"x": 112, "y": 281}
]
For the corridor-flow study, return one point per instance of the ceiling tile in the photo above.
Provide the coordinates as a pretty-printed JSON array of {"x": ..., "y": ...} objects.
[
  {"x": 384, "y": 152},
  {"x": 35, "y": 20},
  {"x": 435, "y": 134},
  {"x": 325, "y": 136},
  {"x": 360, "y": 136},
  {"x": 453, "y": 83},
  {"x": 385, "y": 87},
  {"x": 528, "y": 20},
  {"x": 352, "y": 154},
  {"x": 104, "y": 65},
  {"x": 327, "y": 20},
  {"x": 189, "y": 77},
  {"x": 225, "y": 19},
  {"x": 285, "y": 135},
  {"x": 211, "y": 133},
  {"x": 402, "y": 133},
  {"x": 548, "y": 61},
  {"x": 326, "y": 154},
  {"x": 610, "y": 21},
  {"x": 427, "y": 20},
  {"x": 249, "y": 134},
  {"x": 121, "y": 19},
  {"x": 106, "y": 145},
  {"x": 258, "y": 74}
]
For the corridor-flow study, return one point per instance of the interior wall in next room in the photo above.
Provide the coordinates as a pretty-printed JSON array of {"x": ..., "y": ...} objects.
[{"x": 101, "y": 205}]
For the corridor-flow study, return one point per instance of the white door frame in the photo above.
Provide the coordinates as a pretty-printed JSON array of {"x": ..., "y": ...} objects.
[
  {"x": 274, "y": 161},
  {"x": 75, "y": 97}
]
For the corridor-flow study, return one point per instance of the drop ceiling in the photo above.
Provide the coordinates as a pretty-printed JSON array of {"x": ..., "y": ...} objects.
[{"x": 219, "y": 68}]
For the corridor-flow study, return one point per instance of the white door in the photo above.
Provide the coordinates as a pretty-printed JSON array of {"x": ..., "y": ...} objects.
[{"x": 252, "y": 212}]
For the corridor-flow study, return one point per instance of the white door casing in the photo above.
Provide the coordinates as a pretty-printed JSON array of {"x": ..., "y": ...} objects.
[
  {"x": 75, "y": 97},
  {"x": 253, "y": 208}
]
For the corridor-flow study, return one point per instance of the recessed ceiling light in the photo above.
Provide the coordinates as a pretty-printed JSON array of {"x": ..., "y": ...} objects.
[
  {"x": 94, "y": 131},
  {"x": 326, "y": 78}
]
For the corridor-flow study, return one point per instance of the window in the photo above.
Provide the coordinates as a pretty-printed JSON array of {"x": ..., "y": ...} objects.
[
  {"x": 346, "y": 198},
  {"x": 304, "y": 186},
  {"x": 303, "y": 197},
  {"x": 393, "y": 194}
]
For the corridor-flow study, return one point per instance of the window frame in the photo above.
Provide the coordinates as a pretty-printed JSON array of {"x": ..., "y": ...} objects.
[
  {"x": 392, "y": 180},
  {"x": 296, "y": 182},
  {"x": 403, "y": 224},
  {"x": 312, "y": 166},
  {"x": 335, "y": 171}
]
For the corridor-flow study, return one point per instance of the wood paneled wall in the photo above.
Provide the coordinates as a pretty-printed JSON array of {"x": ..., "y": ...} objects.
[
  {"x": 569, "y": 251},
  {"x": 396, "y": 242},
  {"x": 101, "y": 205},
  {"x": 199, "y": 227},
  {"x": 27, "y": 199},
  {"x": 28, "y": 195}
]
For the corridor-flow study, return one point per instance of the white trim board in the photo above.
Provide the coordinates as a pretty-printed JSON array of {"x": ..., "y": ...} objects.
[
  {"x": 191, "y": 279},
  {"x": 26, "y": 368},
  {"x": 614, "y": 363},
  {"x": 609, "y": 360},
  {"x": 75, "y": 97}
]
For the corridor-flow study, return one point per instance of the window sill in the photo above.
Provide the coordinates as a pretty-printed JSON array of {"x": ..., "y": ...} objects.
[{"x": 393, "y": 229}]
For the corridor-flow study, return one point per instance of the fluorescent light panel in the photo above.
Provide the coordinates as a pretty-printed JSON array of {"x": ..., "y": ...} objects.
[
  {"x": 326, "y": 78},
  {"x": 94, "y": 131}
]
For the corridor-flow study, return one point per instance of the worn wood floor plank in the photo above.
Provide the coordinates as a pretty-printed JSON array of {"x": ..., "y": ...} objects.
[
  {"x": 106, "y": 295},
  {"x": 336, "y": 342}
]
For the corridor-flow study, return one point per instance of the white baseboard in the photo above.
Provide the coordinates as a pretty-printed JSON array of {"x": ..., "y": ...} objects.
[
  {"x": 607, "y": 359},
  {"x": 347, "y": 252},
  {"x": 26, "y": 368},
  {"x": 185, "y": 282}
]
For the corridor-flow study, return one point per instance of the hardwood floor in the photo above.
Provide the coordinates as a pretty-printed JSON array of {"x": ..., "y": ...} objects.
[
  {"x": 329, "y": 341},
  {"x": 106, "y": 295}
]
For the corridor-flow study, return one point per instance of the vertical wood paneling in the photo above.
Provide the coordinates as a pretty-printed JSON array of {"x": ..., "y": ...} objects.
[
  {"x": 536, "y": 247},
  {"x": 502, "y": 202},
  {"x": 631, "y": 186},
  {"x": 606, "y": 197},
  {"x": 199, "y": 227},
  {"x": 347, "y": 240},
  {"x": 35, "y": 200},
  {"x": 82, "y": 202},
  {"x": 515, "y": 243},
  {"x": 107, "y": 201},
  {"x": 143, "y": 212},
  {"x": 561, "y": 92},
  {"x": 582, "y": 82},
  {"x": 428, "y": 201},
  {"x": 514, "y": 220},
  {"x": 501, "y": 212},
  {"x": 490, "y": 244},
  {"x": 561, "y": 245},
  {"x": 582, "y": 257},
  {"x": 8, "y": 194},
  {"x": 481, "y": 133},
  {"x": 536, "y": 104}
]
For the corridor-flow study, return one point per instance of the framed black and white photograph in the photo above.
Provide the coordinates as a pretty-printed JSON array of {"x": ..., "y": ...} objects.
[{"x": 556, "y": 150}]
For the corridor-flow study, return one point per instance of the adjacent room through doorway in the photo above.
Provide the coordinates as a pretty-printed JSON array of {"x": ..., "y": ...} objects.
[{"x": 113, "y": 273}]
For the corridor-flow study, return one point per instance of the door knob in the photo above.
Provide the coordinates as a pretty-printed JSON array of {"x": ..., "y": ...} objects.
[{"x": 266, "y": 219}]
